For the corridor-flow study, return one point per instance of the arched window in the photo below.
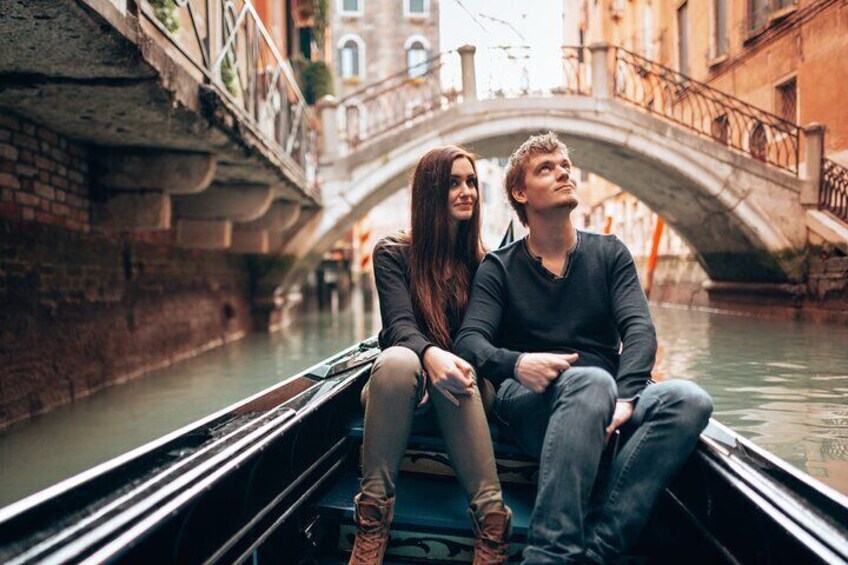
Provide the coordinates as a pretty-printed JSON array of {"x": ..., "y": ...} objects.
[
  {"x": 417, "y": 52},
  {"x": 351, "y": 57}
]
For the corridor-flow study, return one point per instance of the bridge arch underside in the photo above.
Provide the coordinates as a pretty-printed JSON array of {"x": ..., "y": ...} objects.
[{"x": 739, "y": 216}]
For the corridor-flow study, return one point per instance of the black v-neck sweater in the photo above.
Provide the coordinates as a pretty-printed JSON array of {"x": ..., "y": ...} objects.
[{"x": 517, "y": 306}]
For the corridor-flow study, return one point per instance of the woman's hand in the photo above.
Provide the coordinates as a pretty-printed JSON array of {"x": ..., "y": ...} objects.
[{"x": 448, "y": 374}]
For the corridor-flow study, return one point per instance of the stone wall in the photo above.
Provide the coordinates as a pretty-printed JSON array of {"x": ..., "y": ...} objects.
[{"x": 81, "y": 308}]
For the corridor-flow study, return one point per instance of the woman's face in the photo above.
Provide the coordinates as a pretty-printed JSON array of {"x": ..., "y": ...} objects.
[{"x": 462, "y": 197}]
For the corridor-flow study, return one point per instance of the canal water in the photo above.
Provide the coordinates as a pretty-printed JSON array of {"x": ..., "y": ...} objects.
[{"x": 781, "y": 383}]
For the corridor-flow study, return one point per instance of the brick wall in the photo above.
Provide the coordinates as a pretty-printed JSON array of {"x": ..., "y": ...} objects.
[
  {"x": 43, "y": 176},
  {"x": 81, "y": 309}
]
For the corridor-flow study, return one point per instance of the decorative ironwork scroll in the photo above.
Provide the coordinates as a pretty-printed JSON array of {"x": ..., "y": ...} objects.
[
  {"x": 706, "y": 110},
  {"x": 576, "y": 79},
  {"x": 227, "y": 42},
  {"x": 833, "y": 193},
  {"x": 400, "y": 100}
]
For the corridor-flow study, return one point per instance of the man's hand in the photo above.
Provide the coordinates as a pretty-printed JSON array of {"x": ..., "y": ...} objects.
[
  {"x": 448, "y": 374},
  {"x": 623, "y": 412},
  {"x": 537, "y": 370}
]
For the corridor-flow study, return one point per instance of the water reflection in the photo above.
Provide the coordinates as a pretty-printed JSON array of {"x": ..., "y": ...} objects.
[{"x": 783, "y": 384}]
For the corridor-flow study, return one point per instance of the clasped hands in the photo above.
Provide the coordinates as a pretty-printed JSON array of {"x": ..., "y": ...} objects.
[
  {"x": 538, "y": 370},
  {"x": 448, "y": 374}
]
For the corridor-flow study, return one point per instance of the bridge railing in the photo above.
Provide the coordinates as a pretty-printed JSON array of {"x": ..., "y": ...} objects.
[
  {"x": 226, "y": 41},
  {"x": 706, "y": 110},
  {"x": 400, "y": 100},
  {"x": 833, "y": 194}
]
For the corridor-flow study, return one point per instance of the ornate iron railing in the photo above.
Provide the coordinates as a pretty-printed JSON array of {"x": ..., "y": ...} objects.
[
  {"x": 226, "y": 41},
  {"x": 706, "y": 110},
  {"x": 576, "y": 77},
  {"x": 833, "y": 193},
  {"x": 400, "y": 100}
]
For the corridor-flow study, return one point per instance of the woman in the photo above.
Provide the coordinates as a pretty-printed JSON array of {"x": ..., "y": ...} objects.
[{"x": 423, "y": 280}]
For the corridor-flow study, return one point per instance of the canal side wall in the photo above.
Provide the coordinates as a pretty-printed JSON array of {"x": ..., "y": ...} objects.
[
  {"x": 680, "y": 280},
  {"x": 82, "y": 308}
]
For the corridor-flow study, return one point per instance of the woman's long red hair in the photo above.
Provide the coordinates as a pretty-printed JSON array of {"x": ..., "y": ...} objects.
[{"x": 440, "y": 269}]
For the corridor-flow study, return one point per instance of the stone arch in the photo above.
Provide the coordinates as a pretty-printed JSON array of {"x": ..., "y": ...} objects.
[{"x": 738, "y": 215}]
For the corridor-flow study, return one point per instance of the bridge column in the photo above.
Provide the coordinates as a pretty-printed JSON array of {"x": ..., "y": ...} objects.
[
  {"x": 469, "y": 75},
  {"x": 328, "y": 108},
  {"x": 813, "y": 155},
  {"x": 602, "y": 79}
]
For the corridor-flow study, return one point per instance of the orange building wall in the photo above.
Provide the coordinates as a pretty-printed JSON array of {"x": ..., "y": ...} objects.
[{"x": 816, "y": 51}]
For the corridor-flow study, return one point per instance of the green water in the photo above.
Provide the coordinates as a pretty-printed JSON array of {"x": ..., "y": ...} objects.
[{"x": 783, "y": 384}]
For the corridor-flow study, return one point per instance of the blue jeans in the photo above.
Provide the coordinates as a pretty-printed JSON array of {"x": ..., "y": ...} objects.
[{"x": 564, "y": 427}]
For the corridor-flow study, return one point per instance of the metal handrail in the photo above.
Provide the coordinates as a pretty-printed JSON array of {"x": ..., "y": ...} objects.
[
  {"x": 227, "y": 42},
  {"x": 401, "y": 99},
  {"x": 706, "y": 110},
  {"x": 833, "y": 192}
]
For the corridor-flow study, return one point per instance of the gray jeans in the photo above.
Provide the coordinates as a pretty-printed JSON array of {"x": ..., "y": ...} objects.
[
  {"x": 565, "y": 428},
  {"x": 391, "y": 397}
]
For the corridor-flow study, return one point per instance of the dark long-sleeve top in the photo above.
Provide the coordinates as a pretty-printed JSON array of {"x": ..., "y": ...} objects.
[
  {"x": 518, "y": 306},
  {"x": 391, "y": 275}
]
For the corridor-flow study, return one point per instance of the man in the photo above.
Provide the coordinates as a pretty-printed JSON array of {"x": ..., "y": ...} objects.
[{"x": 559, "y": 323}]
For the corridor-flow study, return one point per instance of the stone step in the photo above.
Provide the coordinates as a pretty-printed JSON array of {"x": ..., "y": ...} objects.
[{"x": 431, "y": 522}]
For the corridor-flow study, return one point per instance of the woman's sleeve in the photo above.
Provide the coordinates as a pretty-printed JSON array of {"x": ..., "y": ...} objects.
[{"x": 399, "y": 324}]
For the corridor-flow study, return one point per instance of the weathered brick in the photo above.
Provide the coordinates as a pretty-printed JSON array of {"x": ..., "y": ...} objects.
[
  {"x": 76, "y": 150},
  {"x": 26, "y": 199},
  {"x": 44, "y": 176},
  {"x": 45, "y": 164},
  {"x": 25, "y": 170},
  {"x": 27, "y": 213},
  {"x": 44, "y": 218},
  {"x": 60, "y": 157},
  {"x": 24, "y": 140},
  {"x": 76, "y": 176},
  {"x": 26, "y": 156},
  {"x": 48, "y": 135},
  {"x": 8, "y": 152},
  {"x": 61, "y": 195},
  {"x": 9, "y": 122},
  {"x": 9, "y": 181},
  {"x": 62, "y": 170},
  {"x": 44, "y": 204},
  {"x": 7, "y": 166},
  {"x": 59, "y": 182},
  {"x": 28, "y": 128},
  {"x": 59, "y": 209},
  {"x": 75, "y": 201},
  {"x": 6, "y": 195},
  {"x": 5, "y": 136},
  {"x": 9, "y": 210},
  {"x": 63, "y": 143}
]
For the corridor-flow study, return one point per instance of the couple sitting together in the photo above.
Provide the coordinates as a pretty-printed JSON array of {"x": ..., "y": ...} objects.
[{"x": 556, "y": 327}]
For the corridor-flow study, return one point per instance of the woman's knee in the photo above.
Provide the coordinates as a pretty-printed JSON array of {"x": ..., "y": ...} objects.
[{"x": 396, "y": 368}]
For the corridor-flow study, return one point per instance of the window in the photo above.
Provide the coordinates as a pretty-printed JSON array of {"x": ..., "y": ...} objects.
[
  {"x": 758, "y": 11},
  {"x": 720, "y": 43},
  {"x": 683, "y": 38},
  {"x": 351, "y": 57},
  {"x": 417, "y": 8},
  {"x": 350, "y": 7},
  {"x": 786, "y": 100},
  {"x": 417, "y": 51}
]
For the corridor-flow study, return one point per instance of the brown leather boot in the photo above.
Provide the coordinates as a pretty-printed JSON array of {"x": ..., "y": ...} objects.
[
  {"x": 492, "y": 537},
  {"x": 373, "y": 519}
]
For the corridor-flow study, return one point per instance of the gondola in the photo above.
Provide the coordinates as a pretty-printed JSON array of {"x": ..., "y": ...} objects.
[{"x": 271, "y": 480}]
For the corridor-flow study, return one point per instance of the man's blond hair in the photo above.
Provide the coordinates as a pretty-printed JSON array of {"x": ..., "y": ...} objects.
[{"x": 516, "y": 168}]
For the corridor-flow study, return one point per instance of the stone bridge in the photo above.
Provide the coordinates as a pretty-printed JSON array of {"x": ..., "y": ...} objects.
[{"x": 740, "y": 206}]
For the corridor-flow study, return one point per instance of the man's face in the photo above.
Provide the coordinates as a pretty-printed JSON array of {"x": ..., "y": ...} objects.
[{"x": 548, "y": 184}]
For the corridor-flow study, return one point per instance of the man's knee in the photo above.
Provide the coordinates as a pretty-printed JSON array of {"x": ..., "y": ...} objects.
[
  {"x": 692, "y": 406},
  {"x": 592, "y": 385}
]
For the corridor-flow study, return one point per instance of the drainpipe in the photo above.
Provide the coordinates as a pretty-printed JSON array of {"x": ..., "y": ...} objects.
[{"x": 469, "y": 76}]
